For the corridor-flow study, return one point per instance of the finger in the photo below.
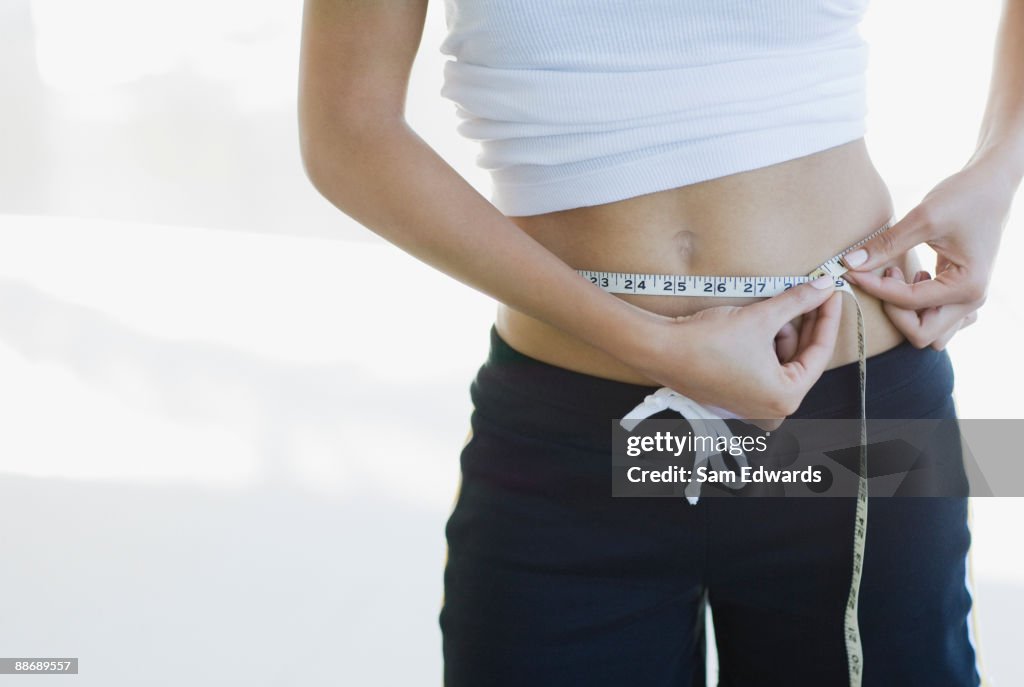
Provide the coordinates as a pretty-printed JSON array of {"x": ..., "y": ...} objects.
[
  {"x": 925, "y": 327},
  {"x": 937, "y": 321},
  {"x": 810, "y": 360},
  {"x": 794, "y": 302},
  {"x": 895, "y": 241},
  {"x": 806, "y": 330},
  {"x": 940, "y": 343},
  {"x": 928, "y": 326},
  {"x": 908, "y": 322},
  {"x": 786, "y": 342},
  {"x": 945, "y": 289},
  {"x": 967, "y": 321}
]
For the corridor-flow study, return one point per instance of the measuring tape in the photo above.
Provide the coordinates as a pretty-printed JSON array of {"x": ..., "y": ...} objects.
[{"x": 765, "y": 287}]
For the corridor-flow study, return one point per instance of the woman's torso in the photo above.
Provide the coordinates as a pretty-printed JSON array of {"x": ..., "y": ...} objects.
[
  {"x": 580, "y": 104},
  {"x": 783, "y": 219}
]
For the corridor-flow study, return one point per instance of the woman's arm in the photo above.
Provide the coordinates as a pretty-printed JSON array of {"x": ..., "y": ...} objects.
[
  {"x": 360, "y": 153},
  {"x": 1002, "y": 128},
  {"x": 362, "y": 156},
  {"x": 962, "y": 218}
]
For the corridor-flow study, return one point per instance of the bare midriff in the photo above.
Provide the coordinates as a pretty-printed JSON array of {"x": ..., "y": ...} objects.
[{"x": 785, "y": 219}]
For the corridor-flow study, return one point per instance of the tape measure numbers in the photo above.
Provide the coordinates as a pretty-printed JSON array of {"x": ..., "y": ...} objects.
[
  {"x": 678, "y": 285},
  {"x": 721, "y": 286},
  {"x": 766, "y": 287}
]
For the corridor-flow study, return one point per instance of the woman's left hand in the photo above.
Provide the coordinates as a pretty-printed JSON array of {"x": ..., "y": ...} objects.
[{"x": 962, "y": 219}]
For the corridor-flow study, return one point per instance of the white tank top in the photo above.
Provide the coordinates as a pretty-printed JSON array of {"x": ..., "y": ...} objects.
[{"x": 583, "y": 102}]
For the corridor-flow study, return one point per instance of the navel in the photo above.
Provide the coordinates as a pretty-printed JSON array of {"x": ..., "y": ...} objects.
[{"x": 684, "y": 243}]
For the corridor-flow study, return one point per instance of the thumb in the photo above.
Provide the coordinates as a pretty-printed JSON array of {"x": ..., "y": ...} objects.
[
  {"x": 891, "y": 243},
  {"x": 796, "y": 301}
]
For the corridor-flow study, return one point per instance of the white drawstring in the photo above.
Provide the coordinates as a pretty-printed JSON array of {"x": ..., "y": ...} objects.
[{"x": 705, "y": 422}]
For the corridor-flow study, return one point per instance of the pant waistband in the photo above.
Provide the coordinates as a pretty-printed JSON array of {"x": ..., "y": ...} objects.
[{"x": 516, "y": 388}]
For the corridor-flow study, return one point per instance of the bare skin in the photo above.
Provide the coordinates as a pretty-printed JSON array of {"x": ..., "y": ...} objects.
[
  {"x": 785, "y": 219},
  {"x": 962, "y": 218},
  {"x": 752, "y": 360}
]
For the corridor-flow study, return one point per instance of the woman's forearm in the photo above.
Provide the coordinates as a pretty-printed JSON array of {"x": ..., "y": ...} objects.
[
  {"x": 383, "y": 175},
  {"x": 1002, "y": 128}
]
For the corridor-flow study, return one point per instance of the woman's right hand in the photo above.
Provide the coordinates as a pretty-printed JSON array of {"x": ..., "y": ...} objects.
[{"x": 748, "y": 360}]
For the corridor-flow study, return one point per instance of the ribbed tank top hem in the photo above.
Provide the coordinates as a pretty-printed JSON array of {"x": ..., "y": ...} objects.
[{"x": 688, "y": 163}]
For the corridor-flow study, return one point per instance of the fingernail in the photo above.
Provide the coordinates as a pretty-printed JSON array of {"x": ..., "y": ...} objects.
[
  {"x": 856, "y": 258},
  {"x": 822, "y": 282}
]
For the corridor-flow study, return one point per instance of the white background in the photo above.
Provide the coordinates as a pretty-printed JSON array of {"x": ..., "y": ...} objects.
[{"x": 230, "y": 416}]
